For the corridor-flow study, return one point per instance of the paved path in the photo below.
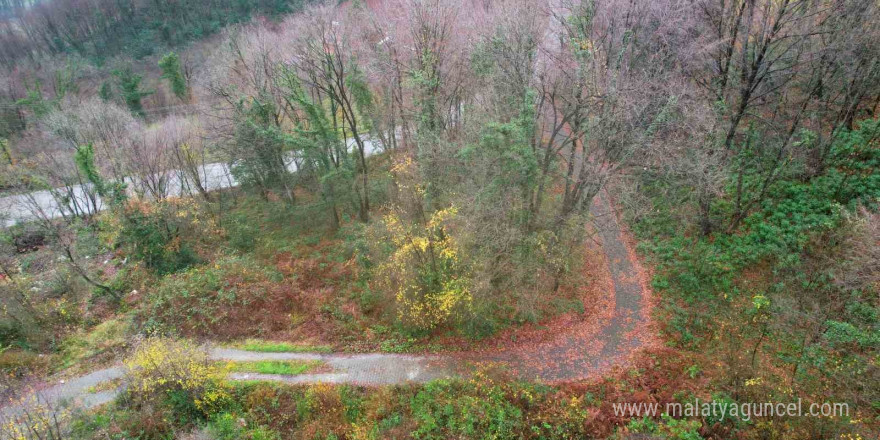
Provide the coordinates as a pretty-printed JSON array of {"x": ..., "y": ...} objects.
[
  {"x": 610, "y": 334},
  {"x": 578, "y": 350},
  {"x": 363, "y": 369}
]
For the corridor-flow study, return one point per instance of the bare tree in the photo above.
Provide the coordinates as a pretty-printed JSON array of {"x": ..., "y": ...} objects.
[
  {"x": 187, "y": 154},
  {"x": 148, "y": 160},
  {"x": 249, "y": 110},
  {"x": 63, "y": 238},
  {"x": 604, "y": 100}
]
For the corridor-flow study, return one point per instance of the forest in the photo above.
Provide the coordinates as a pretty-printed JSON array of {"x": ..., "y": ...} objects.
[{"x": 439, "y": 219}]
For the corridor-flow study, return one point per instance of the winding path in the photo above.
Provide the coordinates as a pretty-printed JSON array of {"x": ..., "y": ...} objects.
[{"x": 575, "y": 348}]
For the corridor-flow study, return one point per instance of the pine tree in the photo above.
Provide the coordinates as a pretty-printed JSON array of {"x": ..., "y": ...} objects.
[
  {"x": 173, "y": 72},
  {"x": 130, "y": 86}
]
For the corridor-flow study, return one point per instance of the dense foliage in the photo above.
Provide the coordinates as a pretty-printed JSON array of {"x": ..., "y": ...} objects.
[
  {"x": 776, "y": 280},
  {"x": 108, "y": 28},
  {"x": 449, "y": 176}
]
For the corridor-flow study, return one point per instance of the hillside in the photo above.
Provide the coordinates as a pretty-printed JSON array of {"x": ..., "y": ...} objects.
[{"x": 440, "y": 219}]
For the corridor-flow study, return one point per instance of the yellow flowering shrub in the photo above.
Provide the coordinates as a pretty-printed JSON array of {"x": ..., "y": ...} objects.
[
  {"x": 35, "y": 419},
  {"x": 162, "y": 366},
  {"x": 424, "y": 271},
  {"x": 421, "y": 268}
]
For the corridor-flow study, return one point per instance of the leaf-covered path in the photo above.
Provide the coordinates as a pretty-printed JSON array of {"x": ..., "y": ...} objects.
[{"x": 573, "y": 347}]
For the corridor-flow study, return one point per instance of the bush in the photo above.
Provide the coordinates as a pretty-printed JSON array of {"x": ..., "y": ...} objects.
[
  {"x": 669, "y": 428},
  {"x": 161, "y": 234},
  {"x": 35, "y": 420},
  {"x": 28, "y": 319},
  {"x": 165, "y": 371},
  {"x": 241, "y": 231},
  {"x": 148, "y": 422},
  {"x": 17, "y": 363},
  {"x": 307, "y": 411},
  {"x": 234, "y": 297},
  {"x": 442, "y": 410},
  {"x": 106, "y": 337},
  {"x": 493, "y": 405},
  {"x": 227, "y": 426},
  {"x": 423, "y": 272}
]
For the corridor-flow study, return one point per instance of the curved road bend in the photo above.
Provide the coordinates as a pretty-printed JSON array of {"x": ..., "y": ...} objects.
[{"x": 578, "y": 352}]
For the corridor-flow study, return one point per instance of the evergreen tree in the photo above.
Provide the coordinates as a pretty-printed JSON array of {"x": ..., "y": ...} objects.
[
  {"x": 130, "y": 86},
  {"x": 106, "y": 91},
  {"x": 173, "y": 72}
]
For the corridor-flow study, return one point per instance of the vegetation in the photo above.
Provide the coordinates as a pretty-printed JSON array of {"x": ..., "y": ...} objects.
[
  {"x": 769, "y": 278},
  {"x": 287, "y": 368},
  {"x": 278, "y": 347},
  {"x": 216, "y": 299},
  {"x": 177, "y": 373},
  {"x": 489, "y": 403},
  {"x": 443, "y": 176},
  {"x": 128, "y": 27},
  {"x": 129, "y": 89},
  {"x": 424, "y": 272},
  {"x": 173, "y": 72},
  {"x": 477, "y": 407}
]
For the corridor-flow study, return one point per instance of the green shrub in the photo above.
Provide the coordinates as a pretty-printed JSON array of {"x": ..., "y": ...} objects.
[
  {"x": 226, "y": 426},
  {"x": 161, "y": 234},
  {"x": 444, "y": 409},
  {"x": 234, "y": 297},
  {"x": 241, "y": 231},
  {"x": 668, "y": 428}
]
